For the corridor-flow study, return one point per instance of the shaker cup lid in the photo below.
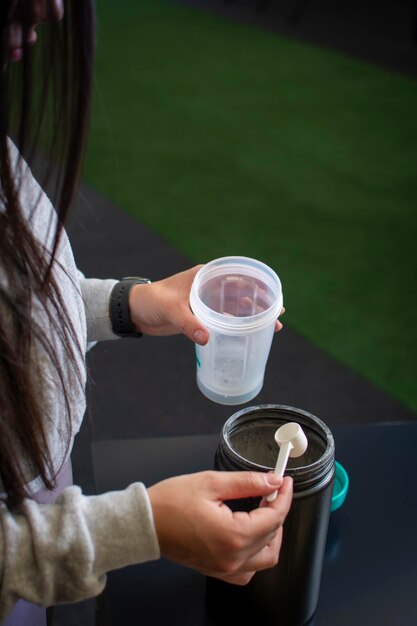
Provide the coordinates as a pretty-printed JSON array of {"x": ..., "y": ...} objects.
[{"x": 341, "y": 485}]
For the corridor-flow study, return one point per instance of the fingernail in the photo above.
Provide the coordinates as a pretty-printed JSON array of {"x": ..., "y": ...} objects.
[
  {"x": 274, "y": 480},
  {"x": 200, "y": 337}
]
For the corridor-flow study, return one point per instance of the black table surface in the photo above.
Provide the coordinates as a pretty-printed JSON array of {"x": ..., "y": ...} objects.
[{"x": 370, "y": 568}]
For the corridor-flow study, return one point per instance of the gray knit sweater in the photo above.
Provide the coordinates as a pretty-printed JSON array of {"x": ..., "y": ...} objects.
[{"x": 51, "y": 553}]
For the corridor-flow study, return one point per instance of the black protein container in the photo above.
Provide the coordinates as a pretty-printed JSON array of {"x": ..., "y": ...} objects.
[{"x": 287, "y": 594}]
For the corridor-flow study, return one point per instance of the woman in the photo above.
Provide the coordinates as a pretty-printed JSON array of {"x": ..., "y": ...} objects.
[{"x": 56, "y": 545}]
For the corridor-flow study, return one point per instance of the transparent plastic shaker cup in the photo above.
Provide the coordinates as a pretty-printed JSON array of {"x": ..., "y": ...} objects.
[{"x": 239, "y": 300}]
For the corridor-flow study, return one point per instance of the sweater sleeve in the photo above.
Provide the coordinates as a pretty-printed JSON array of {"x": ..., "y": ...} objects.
[
  {"x": 61, "y": 552},
  {"x": 96, "y": 296}
]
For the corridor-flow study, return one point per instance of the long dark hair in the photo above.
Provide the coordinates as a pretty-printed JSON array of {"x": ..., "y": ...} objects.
[{"x": 44, "y": 107}]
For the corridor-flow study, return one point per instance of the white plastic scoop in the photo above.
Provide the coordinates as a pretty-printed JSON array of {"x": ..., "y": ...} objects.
[{"x": 292, "y": 443}]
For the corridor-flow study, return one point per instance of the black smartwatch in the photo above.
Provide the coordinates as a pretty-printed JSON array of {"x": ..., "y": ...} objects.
[{"x": 119, "y": 306}]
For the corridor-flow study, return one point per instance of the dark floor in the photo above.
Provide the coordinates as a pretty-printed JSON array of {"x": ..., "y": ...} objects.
[{"x": 146, "y": 388}]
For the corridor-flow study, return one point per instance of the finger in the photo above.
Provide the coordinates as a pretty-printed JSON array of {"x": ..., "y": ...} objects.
[
  {"x": 248, "y": 306},
  {"x": 236, "y": 485},
  {"x": 278, "y": 324},
  {"x": 239, "y": 297},
  {"x": 257, "y": 544},
  {"x": 240, "y": 578},
  {"x": 266, "y": 557},
  {"x": 259, "y": 523},
  {"x": 282, "y": 502},
  {"x": 185, "y": 321}
]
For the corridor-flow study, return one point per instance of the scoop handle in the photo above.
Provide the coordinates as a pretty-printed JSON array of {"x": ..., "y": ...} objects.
[{"x": 281, "y": 464}]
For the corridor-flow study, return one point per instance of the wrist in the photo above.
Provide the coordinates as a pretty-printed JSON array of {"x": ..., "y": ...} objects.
[{"x": 136, "y": 298}]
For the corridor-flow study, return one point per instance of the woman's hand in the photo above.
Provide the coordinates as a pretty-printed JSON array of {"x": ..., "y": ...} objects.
[
  {"x": 162, "y": 308},
  {"x": 196, "y": 528}
]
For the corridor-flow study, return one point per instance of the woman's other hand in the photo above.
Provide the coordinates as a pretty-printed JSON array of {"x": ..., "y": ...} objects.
[
  {"x": 162, "y": 308},
  {"x": 197, "y": 529}
]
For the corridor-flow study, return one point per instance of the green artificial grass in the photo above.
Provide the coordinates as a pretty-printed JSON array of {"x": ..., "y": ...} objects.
[{"x": 226, "y": 140}]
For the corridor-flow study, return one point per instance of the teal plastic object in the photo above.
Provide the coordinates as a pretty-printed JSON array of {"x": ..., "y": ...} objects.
[{"x": 340, "y": 488}]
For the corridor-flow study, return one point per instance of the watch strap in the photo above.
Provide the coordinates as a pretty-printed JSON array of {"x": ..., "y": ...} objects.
[{"x": 121, "y": 323}]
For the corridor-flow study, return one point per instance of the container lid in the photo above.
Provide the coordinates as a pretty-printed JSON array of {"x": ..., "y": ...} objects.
[
  {"x": 341, "y": 486},
  {"x": 210, "y": 282},
  {"x": 244, "y": 430}
]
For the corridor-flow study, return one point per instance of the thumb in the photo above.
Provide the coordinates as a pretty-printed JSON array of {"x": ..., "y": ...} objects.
[
  {"x": 191, "y": 327},
  {"x": 236, "y": 485}
]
